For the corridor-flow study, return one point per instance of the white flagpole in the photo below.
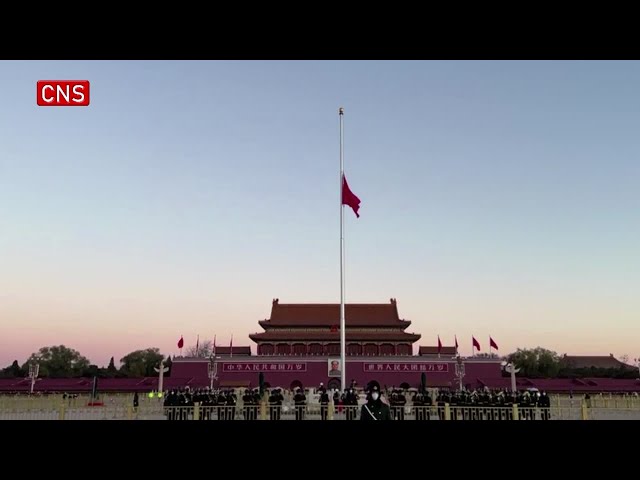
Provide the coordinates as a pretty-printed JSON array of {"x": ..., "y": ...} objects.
[{"x": 342, "y": 319}]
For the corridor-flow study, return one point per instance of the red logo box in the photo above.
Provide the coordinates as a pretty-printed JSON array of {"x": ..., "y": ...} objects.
[{"x": 63, "y": 93}]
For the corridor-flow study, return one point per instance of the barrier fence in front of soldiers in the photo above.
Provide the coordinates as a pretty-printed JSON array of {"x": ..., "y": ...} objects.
[{"x": 317, "y": 412}]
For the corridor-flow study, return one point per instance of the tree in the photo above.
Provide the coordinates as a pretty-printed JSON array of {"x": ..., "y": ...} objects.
[
  {"x": 58, "y": 361},
  {"x": 487, "y": 355},
  {"x": 141, "y": 363},
  {"x": 205, "y": 349},
  {"x": 537, "y": 362},
  {"x": 111, "y": 368},
  {"x": 13, "y": 371},
  {"x": 91, "y": 371}
]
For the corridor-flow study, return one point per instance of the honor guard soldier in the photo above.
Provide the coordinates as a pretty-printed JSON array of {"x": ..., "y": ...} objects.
[
  {"x": 324, "y": 403},
  {"x": 545, "y": 406},
  {"x": 232, "y": 400},
  {"x": 300, "y": 401},
  {"x": 170, "y": 402},
  {"x": 418, "y": 406},
  {"x": 275, "y": 404},
  {"x": 351, "y": 403},
  {"x": 375, "y": 408},
  {"x": 221, "y": 401},
  {"x": 247, "y": 403},
  {"x": 257, "y": 400}
]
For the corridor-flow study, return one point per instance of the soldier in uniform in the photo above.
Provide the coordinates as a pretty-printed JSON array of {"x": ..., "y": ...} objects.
[
  {"x": 247, "y": 401},
  {"x": 336, "y": 401},
  {"x": 545, "y": 406},
  {"x": 275, "y": 402},
  {"x": 232, "y": 400},
  {"x": 221, "y": 401},
  {"x": 257, "y": 399},
  {"x": 351, "y": 403},
  {"x": 300, "y": 401},
  {"x": 324, "y": 403},
  {"x": 375, "y": 408},
  {"x": 418, "y": 406},
  {"x": 170, "y": 402},
  {"x": 398, "y": 405}
]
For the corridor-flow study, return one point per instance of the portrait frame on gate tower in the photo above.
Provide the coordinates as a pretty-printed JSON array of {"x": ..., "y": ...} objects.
[{"x": 334, "y": 367}]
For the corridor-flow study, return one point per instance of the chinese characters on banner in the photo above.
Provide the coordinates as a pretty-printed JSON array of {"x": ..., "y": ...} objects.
[
  {"x": 264, "y": 367},
  {"x": 406, "y": 367}
]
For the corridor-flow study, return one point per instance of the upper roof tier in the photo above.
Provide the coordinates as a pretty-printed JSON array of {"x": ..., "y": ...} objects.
[{"x": 328, "y": 315}]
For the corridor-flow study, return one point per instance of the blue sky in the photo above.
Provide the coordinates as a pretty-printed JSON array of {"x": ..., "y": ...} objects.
[{"x": 498, "y": 198}]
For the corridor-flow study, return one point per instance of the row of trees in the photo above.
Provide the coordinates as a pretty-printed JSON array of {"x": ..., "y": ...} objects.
[
  {"x": 60, "y": 361},
  {"x": 542, "y": 363}
]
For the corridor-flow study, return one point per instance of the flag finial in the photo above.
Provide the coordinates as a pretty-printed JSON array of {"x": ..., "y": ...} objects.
[{"x": 341, "y": 111}]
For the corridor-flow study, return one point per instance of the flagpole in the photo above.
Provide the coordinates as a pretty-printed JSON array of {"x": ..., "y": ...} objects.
[{"x": 342, "y": 319}]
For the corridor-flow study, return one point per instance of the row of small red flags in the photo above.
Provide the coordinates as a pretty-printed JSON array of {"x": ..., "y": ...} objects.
[
  {"x": 475, "y": 343},
  {"x": 181, "y": 342}
]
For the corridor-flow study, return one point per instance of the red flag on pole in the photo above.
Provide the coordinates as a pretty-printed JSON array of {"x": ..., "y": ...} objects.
[
  {"x": 439, "y": 345},
  {"x": 456, "y": 337},
  {"x": 476, "y": 345},
  {"x": 492, "y": 344},
  {"x": 181, "y": 342},
  {"x": 349, "y": 198}
]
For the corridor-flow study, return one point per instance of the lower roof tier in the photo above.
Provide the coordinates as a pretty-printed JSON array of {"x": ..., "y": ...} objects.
[{"x": 303, "y": 337}]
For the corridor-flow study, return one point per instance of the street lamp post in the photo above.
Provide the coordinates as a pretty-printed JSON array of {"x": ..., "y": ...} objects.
[
  {"x": 161, "y": 371},
  {"x": 212, "y": 370},
  {"x": 511, "y": 368},
  {"x": 34, "y": 370},
  {"x": 460, "y": 371}
]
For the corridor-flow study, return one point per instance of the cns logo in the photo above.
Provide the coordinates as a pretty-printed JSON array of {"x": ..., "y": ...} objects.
[{"x": 63, "y": 93}]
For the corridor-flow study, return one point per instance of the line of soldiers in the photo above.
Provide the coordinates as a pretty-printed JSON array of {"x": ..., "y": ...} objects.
[
  {"x": 224, "y": 402},
  {"x": 467, "y": 405},
  {"x": 479, "y": 405}
]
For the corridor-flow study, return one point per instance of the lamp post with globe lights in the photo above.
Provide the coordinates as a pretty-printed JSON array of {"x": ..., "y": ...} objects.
[
  {"x": 510, "y": 368},
  {"x": 212, "y": 369},
  {"x": 34, "y": 370},
  {"x": 460, "y": 371}
]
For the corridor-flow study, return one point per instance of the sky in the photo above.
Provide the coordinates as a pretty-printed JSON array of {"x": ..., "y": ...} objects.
[{"x": 498, "y": 198}]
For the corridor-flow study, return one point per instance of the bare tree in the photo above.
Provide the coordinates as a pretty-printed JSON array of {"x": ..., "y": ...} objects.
[
  {"x": 204, "y": 350},
  {"x": 487, "y": 355}
]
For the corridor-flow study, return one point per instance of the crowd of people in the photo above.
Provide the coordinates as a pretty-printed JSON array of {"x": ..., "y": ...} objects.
[{"x": 419, "y": 404}]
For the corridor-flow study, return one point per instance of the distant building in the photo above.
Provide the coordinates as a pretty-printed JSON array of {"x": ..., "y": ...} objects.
[{"x": 602, "y": 361}]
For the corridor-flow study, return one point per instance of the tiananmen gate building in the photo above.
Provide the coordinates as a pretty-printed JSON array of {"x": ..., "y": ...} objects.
[{"x": 300, "y": 346}]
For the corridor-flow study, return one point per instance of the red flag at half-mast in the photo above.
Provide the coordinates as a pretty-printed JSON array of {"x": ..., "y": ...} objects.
[
  {"x": 439, "y": 345},
  {"x": 181, "y": 342},
  {"x": 476, "y": 344},
  {"x": 492, "y": 344},
  {"x": 349, "y": 198}
]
